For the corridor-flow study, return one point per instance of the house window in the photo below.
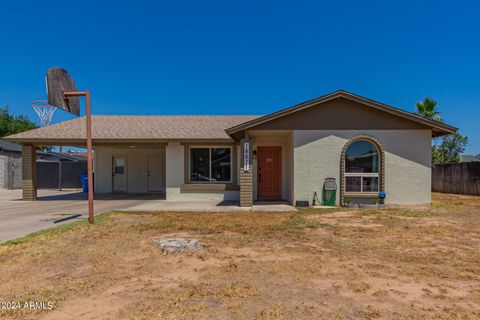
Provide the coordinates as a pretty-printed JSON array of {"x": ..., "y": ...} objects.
[
  {"x": 210, "y": 165},
  {"x": 119, "y": 166},
  {"x": 362, "y": 167}
]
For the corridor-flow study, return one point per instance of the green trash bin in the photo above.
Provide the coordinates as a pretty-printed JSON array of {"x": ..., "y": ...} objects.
[{"x": 329, "y": 192}]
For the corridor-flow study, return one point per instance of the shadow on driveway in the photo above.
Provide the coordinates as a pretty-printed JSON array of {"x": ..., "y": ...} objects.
[{"x": 103, "y": 196}]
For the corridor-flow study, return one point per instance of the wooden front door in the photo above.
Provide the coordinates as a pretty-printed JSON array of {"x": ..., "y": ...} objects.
[{"x": 269, "y": 173}]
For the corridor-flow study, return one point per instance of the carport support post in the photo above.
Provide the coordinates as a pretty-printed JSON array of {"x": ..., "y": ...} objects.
[
  {"x": 246, "y": 189},
  {"x": 29, "y": 172},
  {"x": 88, "y": 118}
]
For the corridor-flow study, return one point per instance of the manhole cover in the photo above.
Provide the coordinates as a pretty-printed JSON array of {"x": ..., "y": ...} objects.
[{"x": 177, "y": 245}]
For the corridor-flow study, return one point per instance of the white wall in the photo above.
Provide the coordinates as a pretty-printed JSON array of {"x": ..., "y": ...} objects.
[
  {"x": 290, "y": 170},
  {"x": 317, "y": 156},
  {"x": 174, "y": 156},
  {"x": 239, "y": 163},
  {"x": 203, "y": 196},
  {"x": 137, "y": 167}
]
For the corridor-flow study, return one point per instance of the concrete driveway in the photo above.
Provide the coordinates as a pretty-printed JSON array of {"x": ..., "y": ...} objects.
[{"x": 19, "y": 218}]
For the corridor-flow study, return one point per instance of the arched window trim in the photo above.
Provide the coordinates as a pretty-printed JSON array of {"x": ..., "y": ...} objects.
[{"x": 381, "y": 168}]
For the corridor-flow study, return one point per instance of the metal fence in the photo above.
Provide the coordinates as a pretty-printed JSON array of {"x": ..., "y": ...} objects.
[
  {"x": 461, "y": 178},
  {"x": 48, "y": 174}
]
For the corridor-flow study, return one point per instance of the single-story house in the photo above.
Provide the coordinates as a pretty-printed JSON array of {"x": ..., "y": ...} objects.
[
  {"x": 469, "y": 158},
  {"x": 367, "y": 146}
]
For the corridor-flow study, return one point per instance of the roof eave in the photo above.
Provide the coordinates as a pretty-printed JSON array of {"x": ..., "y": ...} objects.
[
  {"x": 106, "y": 142},
  {"x": 441, "y": 133}
]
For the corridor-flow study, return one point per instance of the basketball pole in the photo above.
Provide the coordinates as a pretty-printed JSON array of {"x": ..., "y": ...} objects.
[{"x": 88, "y": 117}]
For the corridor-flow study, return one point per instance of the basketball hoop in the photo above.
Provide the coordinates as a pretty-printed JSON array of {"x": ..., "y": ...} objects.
[
  {"x": 44, "y": 111},
  {"x": 62, "y": 93}
]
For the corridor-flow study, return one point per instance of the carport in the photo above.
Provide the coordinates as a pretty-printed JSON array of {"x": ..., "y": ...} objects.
[
  {"x": 135, "y": 167},
  {"x": 129, "y": 156}
]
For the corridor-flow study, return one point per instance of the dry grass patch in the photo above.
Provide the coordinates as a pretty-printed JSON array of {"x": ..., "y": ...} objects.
[{"x": 401, "y": 263}]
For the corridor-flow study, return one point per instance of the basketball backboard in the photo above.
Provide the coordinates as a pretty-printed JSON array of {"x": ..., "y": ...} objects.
[{"x": 58, "y": 82}]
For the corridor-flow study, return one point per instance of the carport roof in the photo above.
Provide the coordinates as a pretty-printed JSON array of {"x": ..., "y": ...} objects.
[
  {"x": 8, "y": 146},
  {"x": 128, "y": 129}
]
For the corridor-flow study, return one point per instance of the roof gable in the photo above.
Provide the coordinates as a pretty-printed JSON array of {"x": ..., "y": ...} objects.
[{"x": 343, "y": 111}]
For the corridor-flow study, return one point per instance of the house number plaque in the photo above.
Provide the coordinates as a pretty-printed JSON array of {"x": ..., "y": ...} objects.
[{"x": 246, "y": 155}]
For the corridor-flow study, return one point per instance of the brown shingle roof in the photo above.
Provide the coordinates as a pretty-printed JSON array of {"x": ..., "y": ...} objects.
[{"x": 136, "y": 128}]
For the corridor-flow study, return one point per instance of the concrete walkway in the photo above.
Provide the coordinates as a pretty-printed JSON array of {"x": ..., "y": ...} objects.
[{"x": 209, "y": 206}]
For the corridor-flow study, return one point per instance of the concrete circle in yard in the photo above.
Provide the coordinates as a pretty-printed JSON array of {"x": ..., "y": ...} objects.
[{"x": 177, "y": 245}]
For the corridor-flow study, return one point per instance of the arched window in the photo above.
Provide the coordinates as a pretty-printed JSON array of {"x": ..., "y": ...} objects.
[{"x": 362, "y": 166}]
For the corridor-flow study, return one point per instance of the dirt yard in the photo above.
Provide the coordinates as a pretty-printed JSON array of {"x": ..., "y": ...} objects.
[{"x": 396, "y": 263}]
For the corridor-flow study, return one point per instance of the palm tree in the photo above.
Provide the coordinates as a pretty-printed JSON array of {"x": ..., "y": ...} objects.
[{"x": 427, "y": 109}]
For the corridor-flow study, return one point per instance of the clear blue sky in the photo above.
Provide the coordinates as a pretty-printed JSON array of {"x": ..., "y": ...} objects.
[{"x": 245, "y": 57}]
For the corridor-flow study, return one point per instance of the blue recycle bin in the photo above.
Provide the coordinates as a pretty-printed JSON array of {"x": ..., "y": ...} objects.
[{"x": 84, "y": 181}]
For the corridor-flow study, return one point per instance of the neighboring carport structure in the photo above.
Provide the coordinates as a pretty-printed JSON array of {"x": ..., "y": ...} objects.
[{"x": 10, "y": 165}]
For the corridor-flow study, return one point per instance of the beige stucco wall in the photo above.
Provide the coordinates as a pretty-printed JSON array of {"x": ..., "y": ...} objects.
[
  {"x": 239, "y": 162},
  {"x": 290, "y": 169},
  {"x": 137, "y": 172},
  {"x": 174, "y": 163},
  {"x": 407, "y": 162},
  {"x": 137, "y": 167}
]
